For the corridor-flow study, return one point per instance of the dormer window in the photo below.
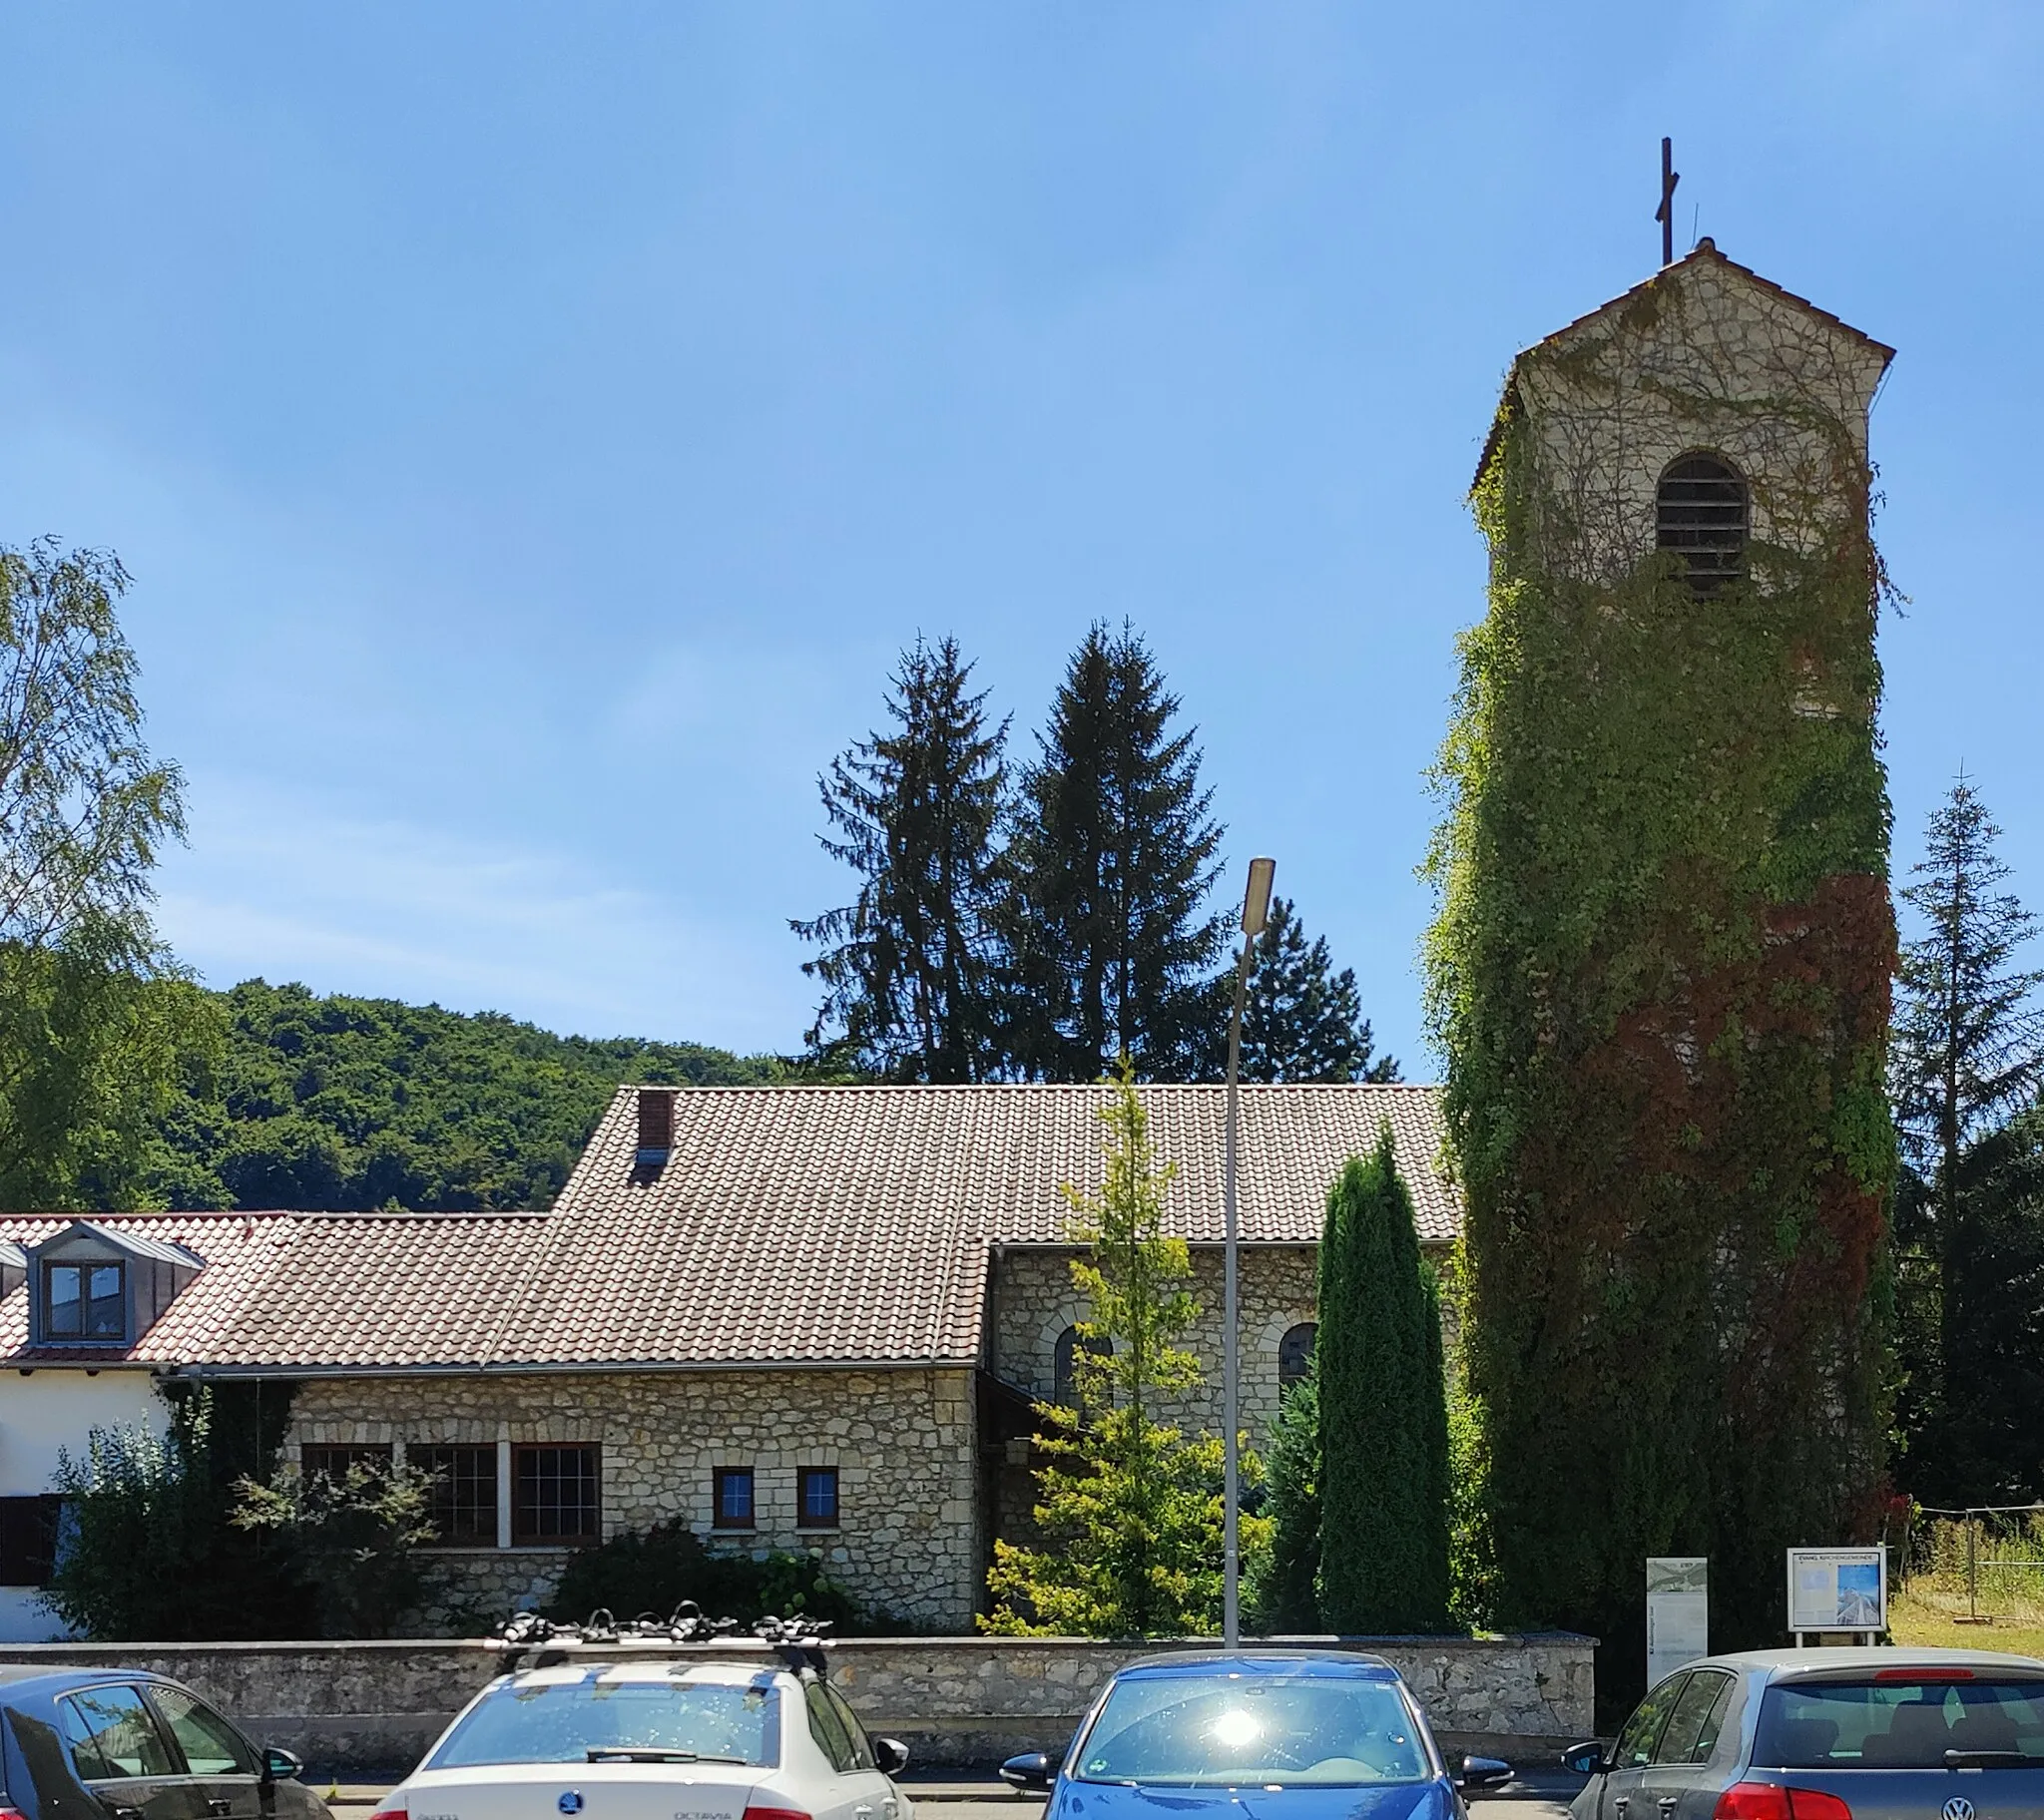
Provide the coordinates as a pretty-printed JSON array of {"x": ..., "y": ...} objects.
[
  {"x": 1701, "y": 512},
  {"x": 85, "y": 1301}
]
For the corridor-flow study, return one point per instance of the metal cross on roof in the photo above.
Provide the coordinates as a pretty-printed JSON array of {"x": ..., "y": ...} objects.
[{"x": 1665, "y": 214}]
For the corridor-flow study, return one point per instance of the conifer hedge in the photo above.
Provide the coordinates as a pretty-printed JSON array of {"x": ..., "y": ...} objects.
[{"x": 1383, "y": 1566}]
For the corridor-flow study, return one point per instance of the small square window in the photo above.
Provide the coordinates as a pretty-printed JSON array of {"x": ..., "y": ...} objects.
[
  {"x": 556, "y": 1495},
  {"x": 85, "y": 1301},
  {"x": 734, "y": 1499},
  {"x": 818, "y": 1507},
  {"x": 465, "y": 1492}
]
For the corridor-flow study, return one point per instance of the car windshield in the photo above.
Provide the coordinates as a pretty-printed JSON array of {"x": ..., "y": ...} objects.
[
  {"x": 1262, "y": 1728},
  {"x": 1900, "y": 1723},
  {"x": 578, "y": 1715}
]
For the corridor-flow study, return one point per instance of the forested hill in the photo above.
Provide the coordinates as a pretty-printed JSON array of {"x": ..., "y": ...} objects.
[{"x": 341, "y": 1103}]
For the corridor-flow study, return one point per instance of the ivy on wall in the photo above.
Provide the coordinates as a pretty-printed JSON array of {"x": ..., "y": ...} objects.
[{"x": 1660, "y": 975}]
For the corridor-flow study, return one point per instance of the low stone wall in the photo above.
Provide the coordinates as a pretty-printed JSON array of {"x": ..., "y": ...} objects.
[{"x": 371, "y": 1709}]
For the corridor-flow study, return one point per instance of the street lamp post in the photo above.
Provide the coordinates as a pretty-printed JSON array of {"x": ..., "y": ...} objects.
[{"x": 1256, "y": 906}]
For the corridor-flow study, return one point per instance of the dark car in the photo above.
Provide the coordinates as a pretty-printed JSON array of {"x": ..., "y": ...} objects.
[
  {"x": 1828, "y": 1734},
  {"x": 1316, "y": 1734},
  {"x": 112, "y": 1745}
]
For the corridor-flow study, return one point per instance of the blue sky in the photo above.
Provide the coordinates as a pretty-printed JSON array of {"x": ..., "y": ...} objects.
[{"x": 534, "y": 430}]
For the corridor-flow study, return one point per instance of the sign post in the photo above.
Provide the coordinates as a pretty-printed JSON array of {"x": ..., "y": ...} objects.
[
  {"x": 1839, "y": 1589},
  {"x": 1677, "y": 1614}
]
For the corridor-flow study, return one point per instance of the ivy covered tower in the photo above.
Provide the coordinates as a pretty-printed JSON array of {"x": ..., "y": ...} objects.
[{"x": 1660, "y": 969}]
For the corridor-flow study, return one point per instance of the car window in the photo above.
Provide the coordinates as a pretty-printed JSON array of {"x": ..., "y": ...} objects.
[
  {"x": 862, "y": 1747},
  {"x": 1634, "y": 1749},
  {"x": 562, "y": 1715},
  {"x": 113, "y": 1734},
  {"x": 826, "y": 1727},
  {"x": 1197, "y": 1730},
  {"x": 1692, "y": 1731},
  {"x": 1897, "y": 1724},
  {"x": 211, "y": 1746}
]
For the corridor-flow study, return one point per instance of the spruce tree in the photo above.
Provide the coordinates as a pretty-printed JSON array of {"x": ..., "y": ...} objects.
[
  {"x": 1968, "y": 1054},
  {"x": 1111, "y": 865},
  {"x": 1383, "y": 1411},
  {"x": 1300, "y": 1020},
  {"x": 911, "y": 966}
]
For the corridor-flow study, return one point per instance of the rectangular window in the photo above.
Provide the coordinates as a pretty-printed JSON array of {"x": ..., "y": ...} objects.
[
  {"x": 335, "y": 1463},
  {"x": 817, "y": 1507},
  {"x": 28, "y": 1539},
  {"x": 733, "y": 1500},
  {"x": 85, "y": 1302},
  {"x": 556, "y": 1495},
  {"x": 465, "y": 1492}
]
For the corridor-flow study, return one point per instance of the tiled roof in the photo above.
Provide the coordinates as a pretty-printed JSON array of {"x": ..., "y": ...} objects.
[{"x": 789, "y": 1225}]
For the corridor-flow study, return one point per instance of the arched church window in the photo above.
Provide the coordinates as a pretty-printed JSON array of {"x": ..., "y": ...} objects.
[
  {"x": 1295, "y": 1354},
  {"x": 1701, "y": 514},
  {"x": 1065, "y": 1364}
]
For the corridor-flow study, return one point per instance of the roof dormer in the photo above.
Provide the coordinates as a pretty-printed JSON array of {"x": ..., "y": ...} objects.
[{"x": 91, "y": 1286}]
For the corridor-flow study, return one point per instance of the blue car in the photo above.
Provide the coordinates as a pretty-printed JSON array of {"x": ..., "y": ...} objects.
[{"x": 1311, "y": 1734}]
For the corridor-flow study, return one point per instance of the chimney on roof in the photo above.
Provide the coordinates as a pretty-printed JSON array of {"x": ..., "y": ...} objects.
[{"x": 655, "y": 1126}]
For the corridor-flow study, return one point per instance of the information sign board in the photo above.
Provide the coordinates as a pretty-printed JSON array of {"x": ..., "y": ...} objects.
[
  {"x": 1677, "y": 1612},
  {"x": 1837, "y": 1589}
]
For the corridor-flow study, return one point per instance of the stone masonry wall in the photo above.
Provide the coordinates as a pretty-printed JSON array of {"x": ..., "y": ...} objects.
[
  {"x": 908, "y": 1543},
  {"x": 1034, "y": 1302},
  {"x": 371, "y": 1709}
]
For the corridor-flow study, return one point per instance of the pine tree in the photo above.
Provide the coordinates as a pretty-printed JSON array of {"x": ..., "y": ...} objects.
[
  {"x": 1968, "y": 1052},
  {"x": 1383, "y": 1411},
  {"x": 1111, "y": 861},
  {"x": 910, "y": 966},
  {"x": 1300, "y": 1020}
]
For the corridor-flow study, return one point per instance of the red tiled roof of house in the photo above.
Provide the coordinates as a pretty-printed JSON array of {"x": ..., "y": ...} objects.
[{"x": 787, "y": 1225}]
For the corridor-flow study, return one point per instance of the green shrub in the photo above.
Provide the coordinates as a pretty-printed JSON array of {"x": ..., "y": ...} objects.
[
  {"x": 654, "y": 1569},
  {"x": 355, "y": 1538}
]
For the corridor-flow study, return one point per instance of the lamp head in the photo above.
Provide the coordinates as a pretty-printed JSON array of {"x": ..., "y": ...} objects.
[{"x": 1256, "y": 904}]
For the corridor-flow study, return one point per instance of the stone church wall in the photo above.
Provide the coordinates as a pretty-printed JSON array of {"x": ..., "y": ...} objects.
[{"x": 910, "y": 1543}]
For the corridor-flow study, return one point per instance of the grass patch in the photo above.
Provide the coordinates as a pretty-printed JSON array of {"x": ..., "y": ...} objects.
[{"x": 1928, "y": 1614}]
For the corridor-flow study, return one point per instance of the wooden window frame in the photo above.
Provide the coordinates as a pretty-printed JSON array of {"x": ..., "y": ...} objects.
[
  {"x": 469, "y": 1495},
  {"x": 720, "y": 1519},
  {"x": 802, "y": 1518},
  {"x": 531, "y": 1504}
]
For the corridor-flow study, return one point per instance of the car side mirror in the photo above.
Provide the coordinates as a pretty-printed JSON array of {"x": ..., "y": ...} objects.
[
  {"x": 1585, "y": 1759},
  {"x": 891, "y": 1757},
  {"x": 1030, "y": 1772},
  {"x": 281, "y": 1765},
  {"x": 1484, "y": 1772}
]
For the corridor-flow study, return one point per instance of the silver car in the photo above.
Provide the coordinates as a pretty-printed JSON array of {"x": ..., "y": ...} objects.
[{"x": 1828, "y": 1734}]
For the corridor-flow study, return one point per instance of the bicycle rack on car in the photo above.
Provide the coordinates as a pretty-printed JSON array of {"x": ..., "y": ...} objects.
[{"x": 525, "y": 1640}]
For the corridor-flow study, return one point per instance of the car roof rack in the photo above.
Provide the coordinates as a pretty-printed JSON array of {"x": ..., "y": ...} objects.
[{"x": 525, "y": 1640}]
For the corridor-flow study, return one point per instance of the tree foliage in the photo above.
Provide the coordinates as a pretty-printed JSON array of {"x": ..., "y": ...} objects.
[
  {"x": 910, "y": 968},
  {"x": 1382, "y": 1409},
  {"x": 1660, "y": 974},
  {"x": 1969, "y": 1215},
  {"x": 1283, "y": 1595},
  {"x": 1130, "y": 1516},
  {"x": 98, "y": 1032},
  {"x": 655, "y": 1569},
  {"x": 355, "y": 1538},
  {"x": 1112, "y": 860},
  {"x": 341, "y": 1103},
  {"x": 1300, "y": 1020},
  {"x": 148, "y": 1550}
]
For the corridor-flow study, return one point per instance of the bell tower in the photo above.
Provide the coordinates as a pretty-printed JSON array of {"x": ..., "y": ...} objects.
[{"x": 1660, "y": 969}]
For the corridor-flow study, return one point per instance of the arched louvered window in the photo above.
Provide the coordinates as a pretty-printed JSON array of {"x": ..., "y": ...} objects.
[
  {"x": 1065, "y": 1365},
  {"x": 1295, "y": 1354},
  {"x": 1702, "y": 513}
]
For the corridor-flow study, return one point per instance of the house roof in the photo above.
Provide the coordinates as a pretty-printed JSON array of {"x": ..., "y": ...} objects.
[
  {"x": 798, "y": 1226},
  {"x": 1703, "y": 252}
]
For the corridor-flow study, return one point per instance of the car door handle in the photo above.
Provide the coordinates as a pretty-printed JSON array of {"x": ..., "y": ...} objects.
[
  {"x": 1618, "y": 1803},
  {"x": 1667, "y": 1803},
  {"x": 217, "y": 1808}
]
